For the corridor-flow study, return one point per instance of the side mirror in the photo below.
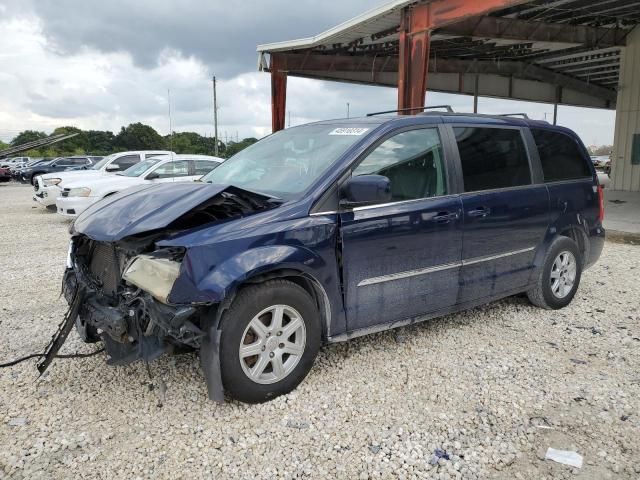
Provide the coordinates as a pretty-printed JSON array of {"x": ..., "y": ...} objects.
[
  {"x": 365, "y": 190},
  {"x": 112, "y": 167},
  {"x": 152, "y": 176}
]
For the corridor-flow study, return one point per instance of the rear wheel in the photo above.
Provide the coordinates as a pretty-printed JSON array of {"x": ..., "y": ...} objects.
[
  {"x": 560, "y": 276},
  {"x": 270, "y": 338}
]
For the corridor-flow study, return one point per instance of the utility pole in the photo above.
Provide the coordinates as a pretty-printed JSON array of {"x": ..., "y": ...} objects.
[
  {"x": 347, "y": 109},
  {"x": 170, "y": 122},
  {"x": 215, "y": 118},
  {"x": 289, "y": 114}
]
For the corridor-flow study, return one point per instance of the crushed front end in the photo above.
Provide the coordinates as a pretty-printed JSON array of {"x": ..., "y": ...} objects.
[{"x": 125, "y": 287}]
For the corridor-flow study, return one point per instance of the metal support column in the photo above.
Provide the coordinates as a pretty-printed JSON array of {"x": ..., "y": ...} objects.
[
  {"x": 278, "y": 92},
  {"x": 413, "y": 63}
]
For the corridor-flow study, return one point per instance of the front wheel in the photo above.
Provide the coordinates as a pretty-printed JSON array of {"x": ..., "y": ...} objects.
[
  {"x": 270, "y": 338},
  {"x": 560, "y": 275}
]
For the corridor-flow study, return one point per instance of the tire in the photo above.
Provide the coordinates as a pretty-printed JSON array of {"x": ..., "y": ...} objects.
[
  {"x": 261, "y": 303},
  {"x": 87, "y": 333},
  {"x": 548, "y": 293}
]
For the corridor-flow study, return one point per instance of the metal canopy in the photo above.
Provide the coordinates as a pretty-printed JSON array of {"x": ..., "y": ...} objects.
[
  {"x": 43, "y": 142},
  {"x": 557, "y": 51}
]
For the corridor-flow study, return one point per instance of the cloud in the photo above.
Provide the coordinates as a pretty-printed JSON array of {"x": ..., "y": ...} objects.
[
  {"x": 103, "y": 65},
  {"x": 222, "y": 34}
]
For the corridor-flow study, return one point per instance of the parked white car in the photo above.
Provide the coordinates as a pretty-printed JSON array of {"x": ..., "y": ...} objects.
[
  {"x": 49, "y": 187},
  {"x": 14, "y": 162},
  {"x": 79, "y": 194}
]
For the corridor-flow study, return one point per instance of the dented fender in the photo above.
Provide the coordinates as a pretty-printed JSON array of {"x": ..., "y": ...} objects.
[{"x": 224, "y": 278}]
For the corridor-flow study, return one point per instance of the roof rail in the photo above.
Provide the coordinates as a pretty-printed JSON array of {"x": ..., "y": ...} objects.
[
  {"x": 447, "y": 107},
  {"x": 523, "y": 115}
]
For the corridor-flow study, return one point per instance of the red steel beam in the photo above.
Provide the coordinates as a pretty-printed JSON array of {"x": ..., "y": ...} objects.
[
  {"x": 416, "y": 24},
  {"x": 414, "y": 36},
  {"x": 278, "y": 91},
  {"x": 445, "y": 12}
]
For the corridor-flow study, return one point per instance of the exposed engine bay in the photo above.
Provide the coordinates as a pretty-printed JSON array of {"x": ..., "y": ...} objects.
[{"x": 119, "y": 291}]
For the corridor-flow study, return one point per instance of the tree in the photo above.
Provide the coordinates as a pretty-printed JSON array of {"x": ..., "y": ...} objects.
[
  {"x": 138, "y": 136},
  {"x": 603, "y": 150},
  {"x": 27, "y": 136},
  {"x": 191, "y": 142},
  {"x": 100, "y": 142},
  {"x": 71, "y": 146},
  {"x": 235, "y": 147}
]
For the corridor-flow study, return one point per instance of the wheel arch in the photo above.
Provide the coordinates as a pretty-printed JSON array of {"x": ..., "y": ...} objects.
[
  {"x": 309, "y": 283},
  {"x": 563, "y": 227},
  {"x": 578, "y": 235},
  {"x": 257, "y": 265},
  {"x": 210, "y": 350}
]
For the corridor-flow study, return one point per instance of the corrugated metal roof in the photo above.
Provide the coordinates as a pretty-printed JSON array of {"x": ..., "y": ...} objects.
[
  {"x": 364, "y": 25},
  {"x": 374, "y": 33}
]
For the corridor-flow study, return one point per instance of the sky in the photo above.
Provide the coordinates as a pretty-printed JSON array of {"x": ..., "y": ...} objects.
[{"x": 105, "y": 64}]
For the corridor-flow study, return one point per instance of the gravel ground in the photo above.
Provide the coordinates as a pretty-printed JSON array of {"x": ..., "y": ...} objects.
[{"x": 494, "y": 387}]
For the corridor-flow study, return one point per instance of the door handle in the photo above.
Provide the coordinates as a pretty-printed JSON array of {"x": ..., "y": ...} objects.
[
  {"x": 479, "y": 212},
  {"x": 445, "y": 217}
]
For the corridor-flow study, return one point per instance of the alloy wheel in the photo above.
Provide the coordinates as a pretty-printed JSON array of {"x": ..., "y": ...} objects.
[
  {"x": 272, "y": 344},
  {"x": 563, "y": 274}
]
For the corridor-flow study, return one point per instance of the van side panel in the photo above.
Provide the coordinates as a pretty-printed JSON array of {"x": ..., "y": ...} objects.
[{"x": 574, "y": 203}]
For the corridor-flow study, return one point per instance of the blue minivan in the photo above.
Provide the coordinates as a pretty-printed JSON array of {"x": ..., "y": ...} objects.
[{"x": 328, "y": 231}]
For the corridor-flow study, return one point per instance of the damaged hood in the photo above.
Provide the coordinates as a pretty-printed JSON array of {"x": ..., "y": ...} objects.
[{"x": 146, "y": 208}]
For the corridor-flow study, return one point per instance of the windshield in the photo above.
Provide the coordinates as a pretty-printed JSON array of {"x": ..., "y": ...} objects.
[
  {"x": 102, "y": 162},
  {"x": 139, "y": 168},
  {"x": 287, "y": 163}
]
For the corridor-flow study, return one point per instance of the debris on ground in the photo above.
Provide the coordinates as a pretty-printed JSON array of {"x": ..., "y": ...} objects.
[
  {"x": 17, "y": 422},
  {"x": 566, "y": 457},
  {"x": 492, "y": 397},
  {"x": 438, "y": 453}
]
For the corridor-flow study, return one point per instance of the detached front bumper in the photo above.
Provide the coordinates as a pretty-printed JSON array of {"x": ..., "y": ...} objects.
[{"x": 136, "y": 326}]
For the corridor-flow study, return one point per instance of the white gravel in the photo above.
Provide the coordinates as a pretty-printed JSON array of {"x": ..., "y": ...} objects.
[{"x": 494, "y": 387}]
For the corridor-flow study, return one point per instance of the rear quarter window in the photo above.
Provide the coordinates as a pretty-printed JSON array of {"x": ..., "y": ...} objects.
[{"x": 560, "y": 155}]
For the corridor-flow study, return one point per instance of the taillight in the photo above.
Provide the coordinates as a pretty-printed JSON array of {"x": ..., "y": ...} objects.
[{"x": 600, "y": 203}]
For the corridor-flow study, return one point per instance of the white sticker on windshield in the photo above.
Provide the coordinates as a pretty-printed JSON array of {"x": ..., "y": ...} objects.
[{"x": 348, "y": 131}]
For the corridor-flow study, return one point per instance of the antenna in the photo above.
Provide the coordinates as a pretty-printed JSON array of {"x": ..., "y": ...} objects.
[{"x": 215, "y": 118}]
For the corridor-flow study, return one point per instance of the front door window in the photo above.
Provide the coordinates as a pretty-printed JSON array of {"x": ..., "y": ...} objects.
[{"x": 412, "y": 161}]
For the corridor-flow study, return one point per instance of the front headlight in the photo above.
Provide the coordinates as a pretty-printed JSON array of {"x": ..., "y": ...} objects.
[
  {"x": 154, "y": 275},
  {"x": 79, "y": 192},
  {"x": 51, "y": 181}
]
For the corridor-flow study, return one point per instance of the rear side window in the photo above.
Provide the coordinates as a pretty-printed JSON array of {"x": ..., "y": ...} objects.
[
  {"x": 127, "y": 161},
  {"x": 204, "y": 166},
  {"x": 173, "y": 169},
  {"x": 560, "y": 156},
  {"x": 492, "y": 158}
]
